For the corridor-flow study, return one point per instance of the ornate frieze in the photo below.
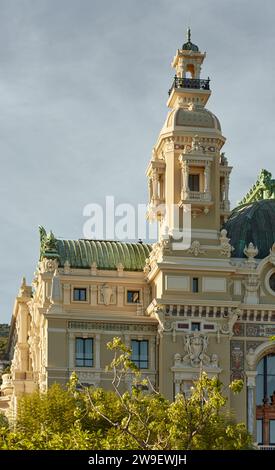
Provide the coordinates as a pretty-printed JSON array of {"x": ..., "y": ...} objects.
[
  {"x": 195, "y": 347},
  {"x": 82, "y": 325},
  {"x": 237, "y": 359},
  {"x": 48, "y": 265},
  {"x": 253, "y": 330},
  {"x": 230, "y": 319},
  {"x": 239, "y": 329},
  {"x": 196, "y": 248}
]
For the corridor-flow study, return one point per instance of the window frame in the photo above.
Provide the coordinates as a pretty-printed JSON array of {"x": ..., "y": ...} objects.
[
  {"x": 197, "y": 285},
  {"x": 135, "y": 361},
  {"x": 139, "y": 296},
  {"x": 74, "y": 288},
  {"x": 199, "y": 182},
  {"x": 267, "y": 280},
  {"x": 84, "y": 359},
  {"x": 198, "y": 324}
]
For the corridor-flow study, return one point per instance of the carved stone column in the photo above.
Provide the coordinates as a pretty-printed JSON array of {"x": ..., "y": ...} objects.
[
  {"x": 71, "y": 350},
  {"x": 93, "y": 294},
  {"x": 152, "y": 353},
  {"x": 226, "y": 192},
  {"x": 207, "y": 179},
  {"x": 251, "y": 406},
  {"x": 66, "y": 294},
  {"x": 177, "y": 386},
  {"x": 97, "y": 351},
  {"x": 150, "y": 191},
  {"x": 155, "y": 180},
  {"x": 185, "y": 178}
]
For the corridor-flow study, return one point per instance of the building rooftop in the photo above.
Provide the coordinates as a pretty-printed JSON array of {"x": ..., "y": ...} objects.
[{"x": 106, "y": 254}]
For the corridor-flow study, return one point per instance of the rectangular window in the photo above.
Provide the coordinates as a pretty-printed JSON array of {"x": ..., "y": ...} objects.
[
  {"x": 80, "y": 295},
  {"x": 194, "y": 182},
  {"x": 133, "y": 296},
  {"x": 272, "y": 431},
  {"x": 195, "y": 284},
  {"x": 259, "y": 431},
  {"x": 84, "y": 352},
  {"x": 195, "y": 326},
  {"x": 140, "y": 353}
]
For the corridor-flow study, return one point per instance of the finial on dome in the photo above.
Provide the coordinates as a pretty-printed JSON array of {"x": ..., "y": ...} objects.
[{"x": 188, "y": 34}]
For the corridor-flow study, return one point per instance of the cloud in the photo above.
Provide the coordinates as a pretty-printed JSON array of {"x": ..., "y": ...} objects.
[{"x": 83, "y": 87}]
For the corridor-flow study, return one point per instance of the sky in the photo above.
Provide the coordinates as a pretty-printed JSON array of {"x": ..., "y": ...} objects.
[{"x": 83, "y": 91}]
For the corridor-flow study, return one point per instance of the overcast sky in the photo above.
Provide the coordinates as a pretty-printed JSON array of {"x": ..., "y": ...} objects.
[{"x": 83, "y": 90}]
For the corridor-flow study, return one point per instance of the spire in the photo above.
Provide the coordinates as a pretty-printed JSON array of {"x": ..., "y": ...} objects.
[{"x": 189, "y": 46}]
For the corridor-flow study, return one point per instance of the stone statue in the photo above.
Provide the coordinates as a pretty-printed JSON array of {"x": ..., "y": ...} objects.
[
  {"x": 196, "y": 345},
  {"x": 250, "y": 359},
  {"x": 106, "y": 292},
  {"x": 232, "y": 317},
  {"x": 177, "y": 359}
]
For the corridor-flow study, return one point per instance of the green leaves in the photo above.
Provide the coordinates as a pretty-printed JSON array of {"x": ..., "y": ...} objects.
[
  {"x": 132, "y": 416},
  {"x": 236, "y": 386}
]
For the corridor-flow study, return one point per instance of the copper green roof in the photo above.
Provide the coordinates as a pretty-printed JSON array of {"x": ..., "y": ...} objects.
[
  {"x": 264, "y": 188},
  {"x": 107, "y": 254},
  {"x": 254, "y": 222},
  {"x": 189, "y": 46}
]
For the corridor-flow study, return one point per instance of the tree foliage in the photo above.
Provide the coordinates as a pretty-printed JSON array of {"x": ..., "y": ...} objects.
[{"x": 93, "y": 418}]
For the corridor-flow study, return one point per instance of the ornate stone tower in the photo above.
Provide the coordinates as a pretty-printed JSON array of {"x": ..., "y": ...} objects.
[
  {"x": 187, "y": 166},
  {"x": 190, "y": 283}
]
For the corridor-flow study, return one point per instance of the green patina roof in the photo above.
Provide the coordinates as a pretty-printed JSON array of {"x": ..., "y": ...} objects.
[
  {"x": 107, "y": 254},
  {"x": 253, "y": 222},
  {"x": 189, "y": 46},
  {"x": 264, "y": 188}
]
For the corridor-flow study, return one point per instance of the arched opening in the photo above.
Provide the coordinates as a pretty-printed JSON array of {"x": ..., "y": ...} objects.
[
  {"x": 265, "y": 400},
  {"x": 190, "y": 71}
]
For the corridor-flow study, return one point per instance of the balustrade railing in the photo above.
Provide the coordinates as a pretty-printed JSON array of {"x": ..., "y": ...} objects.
[{"x": 194, "y": 83}]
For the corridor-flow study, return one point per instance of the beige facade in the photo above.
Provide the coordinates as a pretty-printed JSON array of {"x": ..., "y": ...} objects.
[{"x": 209, "y": 306}]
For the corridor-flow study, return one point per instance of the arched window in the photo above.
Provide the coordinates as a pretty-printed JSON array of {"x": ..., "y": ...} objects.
[
  {"x": 265, "y": 379},
  {"x": 190, "y": 71},
  {"x": 265, "y": 400}
]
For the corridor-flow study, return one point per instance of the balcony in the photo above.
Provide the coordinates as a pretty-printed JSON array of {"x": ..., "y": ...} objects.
[
  {"x": 198, "y": 196},
  {"x": 193, "y": 83},
  {"x": 266, "y": 447}
]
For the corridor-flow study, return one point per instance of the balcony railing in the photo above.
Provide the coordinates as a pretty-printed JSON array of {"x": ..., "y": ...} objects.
[
  {"x": 266, "y": 447},
  {"x": 194, "y": 83},
  {"x": 196, "y": 196}
]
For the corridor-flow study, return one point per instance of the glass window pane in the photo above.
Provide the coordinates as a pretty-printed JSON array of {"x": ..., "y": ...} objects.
[
  {"x": 259, "y": 389},
  {"x": 272, "y": 431},
  {"x": 194, "y": 182},
  {"x": 83, "y": 294},
  {"x": 195, "y": 326},
  {"x": 272, "y": 281},
  {"x": 132, "y": 296},
  {"x": 79, "y": 347},
  {"x": 260, "y": 367},
  {"x": 195, "y": 284},
  {"x": 143, "y": 350},
  {"x": 259, "y": 431},
  {"x": 140, "y": 353},
  {"x": 270, "y": 385},
  {"x": 271, "y": 364},
  {"x": 84, "y": 352},
  {"x": 89, "y": 348},
  {"x": 88, "y": 362}
]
